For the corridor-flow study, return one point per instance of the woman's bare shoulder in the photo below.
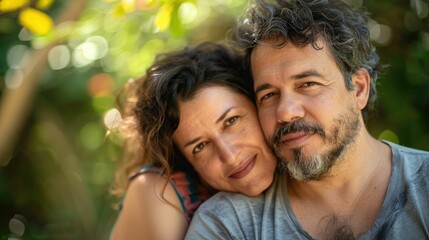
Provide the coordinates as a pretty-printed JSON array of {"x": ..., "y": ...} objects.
[{"x": 149, "y": 203}]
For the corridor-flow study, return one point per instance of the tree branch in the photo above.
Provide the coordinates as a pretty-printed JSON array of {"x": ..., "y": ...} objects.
[{"x": 16, "y": 103}]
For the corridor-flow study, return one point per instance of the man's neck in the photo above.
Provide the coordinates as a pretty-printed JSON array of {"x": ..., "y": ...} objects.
[
  {"x": 349, "y": 175},
  {"x": 353, "y": 191}
]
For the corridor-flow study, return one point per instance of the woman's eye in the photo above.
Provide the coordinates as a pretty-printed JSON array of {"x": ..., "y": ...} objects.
[
  {"x": 231, "y": 121},
  {"x": 199, "y": 147}
]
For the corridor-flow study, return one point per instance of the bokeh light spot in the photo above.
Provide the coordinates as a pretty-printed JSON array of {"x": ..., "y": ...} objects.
[
  {"x": 100, "y": 84},
  {"x": 112, "y": 118},
  {"x": 24, "y": 35},
  {"x": 91, "y": 135},
  {"x": 380, "y": 33},
  {"x": 412, "y": 22},
  {"x": 90, "y": 50},
  {"x": 84, "y": 54},
  {"x": 16, "y": 56},
  {"x": 420, "y": 8},
  {"x": 59, "y": 57},
  {"x": 17, "y": 225},
  {"x": 187, "y": 12},
  {"x": 13, "y": 78},
  {"x": 101, "y": 46}
]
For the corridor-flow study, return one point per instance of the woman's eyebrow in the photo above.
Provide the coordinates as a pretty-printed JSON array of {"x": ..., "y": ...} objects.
[
  {"x": 222, "y": 117},
  {"x": 192, "y": 142}
]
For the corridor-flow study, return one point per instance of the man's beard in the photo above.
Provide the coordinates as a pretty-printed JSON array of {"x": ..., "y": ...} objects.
[{"x": 304, "y": 168}]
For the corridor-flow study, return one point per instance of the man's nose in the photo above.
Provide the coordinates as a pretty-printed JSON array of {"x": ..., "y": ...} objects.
[{"x": 289, "y": 109}]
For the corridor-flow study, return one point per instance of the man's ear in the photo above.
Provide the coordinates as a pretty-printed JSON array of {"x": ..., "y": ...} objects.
[{"x": 362, "y": 82}]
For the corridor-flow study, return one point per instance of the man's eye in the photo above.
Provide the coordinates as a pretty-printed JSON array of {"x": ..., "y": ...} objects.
[
  {"x": 266, "y": 96},
  {"x": 199, "y": 147},
  {"x": 309, "y": 84},
  {"x": 231, "y": 121}
]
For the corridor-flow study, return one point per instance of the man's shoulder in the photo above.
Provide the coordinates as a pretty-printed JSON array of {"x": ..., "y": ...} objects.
[
  {"x": 224, "y": 200},
  {"x": 408, "y": 152},
  {"x": 226, "y": 214},
  {"x": 227, "y": 207},
  {"x": 412, "y": 162}
]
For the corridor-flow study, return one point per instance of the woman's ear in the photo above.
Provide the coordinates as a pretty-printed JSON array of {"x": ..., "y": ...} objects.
[{"x": 362, "y": 82}]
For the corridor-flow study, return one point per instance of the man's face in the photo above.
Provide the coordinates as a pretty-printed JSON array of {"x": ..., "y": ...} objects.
[{"x": 307, "y": 114}]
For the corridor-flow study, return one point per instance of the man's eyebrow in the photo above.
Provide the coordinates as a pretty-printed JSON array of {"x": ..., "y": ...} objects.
[
  {"x": 222, "y": 117},
  {"x": 307, "y": 73},
  {"x": 301, "y": 75},
  {"x": 262, "y": 87}
]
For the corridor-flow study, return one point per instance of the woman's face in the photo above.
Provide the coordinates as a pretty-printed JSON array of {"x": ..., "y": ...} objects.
[{"x": 220, "y": 135}]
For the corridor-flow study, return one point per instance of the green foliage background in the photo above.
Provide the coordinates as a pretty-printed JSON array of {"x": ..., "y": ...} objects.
[{"x": 63, "y": 160}]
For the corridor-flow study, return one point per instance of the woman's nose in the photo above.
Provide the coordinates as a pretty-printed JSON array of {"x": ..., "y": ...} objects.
[{"x": 227, "y": 150}]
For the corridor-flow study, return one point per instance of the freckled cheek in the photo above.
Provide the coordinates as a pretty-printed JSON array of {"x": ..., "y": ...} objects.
[
  {"x": 210, "y": 167},
  {"x": 214, "y": 176}
]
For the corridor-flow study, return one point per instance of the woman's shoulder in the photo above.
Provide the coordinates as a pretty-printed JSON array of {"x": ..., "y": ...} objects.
[
  {"x": 150, "y": 200},
  {"x": 150, "y": 168},
  {"x": 180, "y": 185},
  {"x": 149, "y": 182},
  {"x": 153, "y": 178}
]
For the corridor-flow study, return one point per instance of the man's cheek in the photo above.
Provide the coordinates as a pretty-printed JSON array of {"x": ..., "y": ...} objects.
[{"x": 267, "y": 128}]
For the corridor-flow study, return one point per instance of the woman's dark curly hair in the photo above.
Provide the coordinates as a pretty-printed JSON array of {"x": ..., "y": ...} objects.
[
  {"x": 152, "y": 111},
  {"x": 303, "y": 22}
]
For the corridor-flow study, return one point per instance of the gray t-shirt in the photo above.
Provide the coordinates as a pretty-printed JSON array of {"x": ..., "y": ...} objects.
[{"x": 404, "y": 214}]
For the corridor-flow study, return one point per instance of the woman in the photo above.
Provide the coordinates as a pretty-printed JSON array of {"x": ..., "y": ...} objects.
[{"x": 197, "y": 132}]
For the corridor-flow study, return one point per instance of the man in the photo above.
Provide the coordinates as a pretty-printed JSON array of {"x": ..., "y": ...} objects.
[{"x": 314, "y": 72}]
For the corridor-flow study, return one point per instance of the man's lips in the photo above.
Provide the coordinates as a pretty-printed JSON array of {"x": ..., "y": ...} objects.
[
  {"x": 295, "y": 139},
  {"x": 244, "y": 169}
]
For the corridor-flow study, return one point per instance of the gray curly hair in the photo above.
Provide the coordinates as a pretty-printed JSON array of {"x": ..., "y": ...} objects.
[{"x": 303, "y": 22}]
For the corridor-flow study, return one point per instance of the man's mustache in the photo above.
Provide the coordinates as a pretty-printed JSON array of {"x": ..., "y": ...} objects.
[{"x": 297, "y": 126}]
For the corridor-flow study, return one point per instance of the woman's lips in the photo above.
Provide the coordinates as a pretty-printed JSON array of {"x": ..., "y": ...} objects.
[{"x": 243, "y": 170}]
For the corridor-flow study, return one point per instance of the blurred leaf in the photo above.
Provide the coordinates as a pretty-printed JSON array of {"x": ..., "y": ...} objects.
[
  {"x": 12, "y": 5},
  {"x": 145, "y": 4},
  {"x": 44, "y": 4},
  {"x": 177, "y": 27},
  {"x": 6, "y": 25},
  {"x": 118, "y": 10},
  {"x": 36, "y": 21},
  {"x": 389, "y": 135},
  {"x": 163, "y": 17},
  {"x": 128, "y": 5}
]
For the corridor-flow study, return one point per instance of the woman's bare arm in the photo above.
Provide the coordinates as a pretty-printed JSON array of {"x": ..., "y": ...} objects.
[{"x": 145, "y": 215}]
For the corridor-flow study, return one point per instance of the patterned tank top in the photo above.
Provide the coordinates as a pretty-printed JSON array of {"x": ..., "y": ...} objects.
[{"x": 190, "y": 192}]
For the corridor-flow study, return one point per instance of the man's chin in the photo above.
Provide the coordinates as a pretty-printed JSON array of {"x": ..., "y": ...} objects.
[
  {"x": 295, "y": 154},
  {"x": 305, "y": 168}
]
